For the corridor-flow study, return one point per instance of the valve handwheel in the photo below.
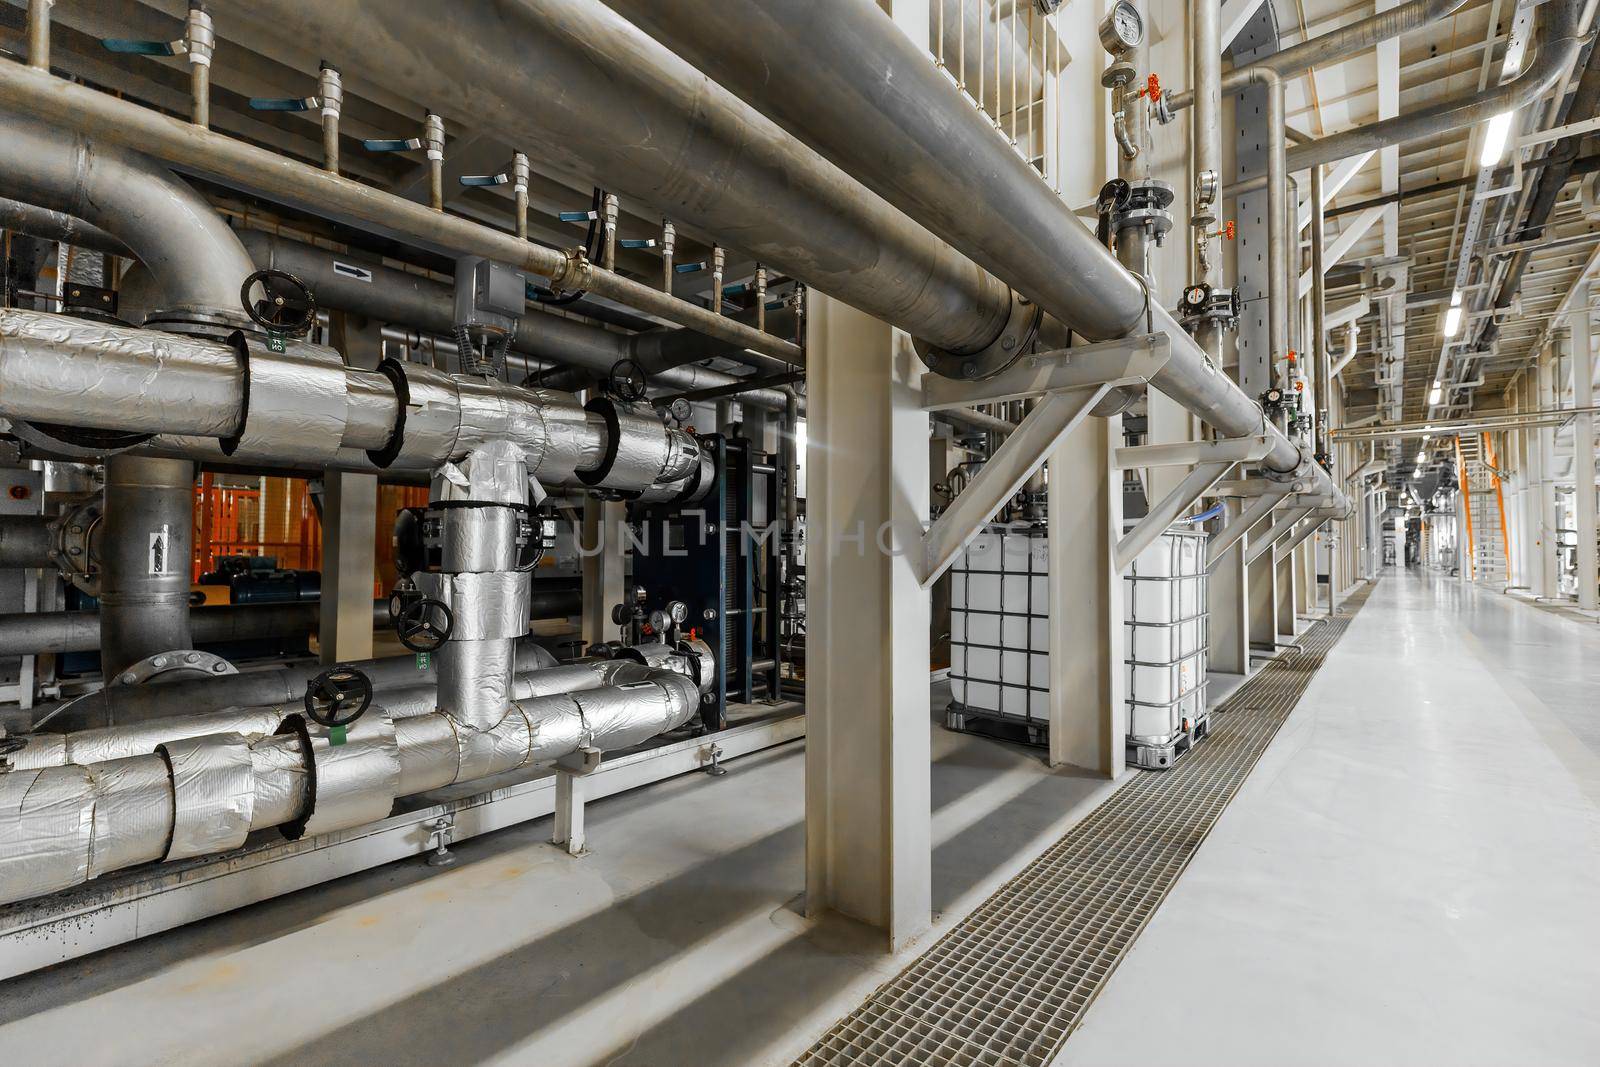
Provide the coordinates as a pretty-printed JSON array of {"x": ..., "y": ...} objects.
[
  {"x": 338, "y": 696},
  {"x": 279, "y": 302},
  {"x": 424, "y": 625},
  {"x": 627, "y": 381}
]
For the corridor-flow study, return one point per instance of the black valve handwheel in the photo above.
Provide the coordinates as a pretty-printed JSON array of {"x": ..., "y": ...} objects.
[
  {"x": 424, "y": 625},
  {"x": 338, "y": 696},
  {"x": 279, "y": 302},
  {"x": 627, "y": 381}
]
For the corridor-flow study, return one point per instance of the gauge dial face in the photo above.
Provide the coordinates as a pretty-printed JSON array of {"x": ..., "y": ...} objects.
[
  {"x": 1122, "y": 28},
  {"x": 681, "y": 411},
  {"x": 678, "y": 611},
  {"x": 1196, "y": 295},
  {"x": 1128, "y": 25},
  {"x": 658, "y": 622}
]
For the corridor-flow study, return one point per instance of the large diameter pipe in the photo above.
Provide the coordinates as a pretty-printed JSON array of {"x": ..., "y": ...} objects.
[
  {"x": 811, "y": 64},
  {"x": 196, "y": 796},
  {"x": 193, "y": 255},
  {"x": 126, "y": 705},
  {"x": 603, "y": 100},
  {"x": 1559, "y": 45},
  {"x": 25, "y": 541},
  {"x": 400, "y": 298},
  {"x": 1330, "y": 47},
  {"x": 146, "y": 550},
  {"x": 108, "y": 120},
  {"x": 870, "y": 97}
]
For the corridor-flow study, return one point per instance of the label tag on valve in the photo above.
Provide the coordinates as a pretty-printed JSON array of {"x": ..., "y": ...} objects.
[
  {"x": 337, "y": 735},
  {"x": 424, "y": 660},
  {"x": 275, "y": 342}
]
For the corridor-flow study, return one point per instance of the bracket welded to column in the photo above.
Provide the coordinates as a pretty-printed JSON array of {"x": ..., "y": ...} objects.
[
  {"x": 1184, "y": 453},
  {"x": 1036, "y": 436},
  {"x": 1280, "y": 528},
  {"x": 1258, "y": 509},
  {"x": 1304, "y": 532},
  {"x": 1198, "y": 483}
]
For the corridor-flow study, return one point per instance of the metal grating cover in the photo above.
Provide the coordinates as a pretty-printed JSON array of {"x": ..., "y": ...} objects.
[{"x": 1009, "y": 982}]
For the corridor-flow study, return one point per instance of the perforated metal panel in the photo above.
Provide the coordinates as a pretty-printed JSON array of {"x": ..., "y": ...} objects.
[{"x": 1009, "y": 982}]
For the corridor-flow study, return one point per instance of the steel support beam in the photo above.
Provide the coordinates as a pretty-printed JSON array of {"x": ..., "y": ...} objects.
[
  {"x": 868, "y": 831},
  {"x": 1583, "y": 501},
  {"x": 349, "y": 539},
  {"x": 1088, "y": 709},
  {"x": 1187, "y": 453},
  {"x": 1128, "y": 361}
]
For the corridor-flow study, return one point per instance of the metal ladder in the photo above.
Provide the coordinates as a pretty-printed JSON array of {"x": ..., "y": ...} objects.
[{"x": 1487, "y": 548}]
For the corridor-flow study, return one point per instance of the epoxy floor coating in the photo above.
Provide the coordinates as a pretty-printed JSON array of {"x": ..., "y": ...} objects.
[{"x": 1409, "y": 876}]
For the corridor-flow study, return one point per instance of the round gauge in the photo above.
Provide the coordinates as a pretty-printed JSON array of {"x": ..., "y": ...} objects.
[
  {"x": 659, "y": 622},
  {"x": 678, "y": 610},
  {"x": 1195, "y": 296},
  {"x": 1122, "y": 28},
  {"x": 681, "y": 410}
]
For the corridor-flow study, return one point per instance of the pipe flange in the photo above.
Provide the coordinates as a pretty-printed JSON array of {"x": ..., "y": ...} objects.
[
  {"x": 1022, "y": 324},
  {"x": 72, "y": 546},
  {"x": 178, "y": 661}
]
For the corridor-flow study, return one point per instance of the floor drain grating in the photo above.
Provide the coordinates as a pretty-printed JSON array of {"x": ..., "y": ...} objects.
[{"x": 1008, "y": 983}]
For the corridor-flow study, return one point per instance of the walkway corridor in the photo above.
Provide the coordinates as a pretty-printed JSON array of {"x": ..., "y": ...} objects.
[{"x": 1410, "y": 874}]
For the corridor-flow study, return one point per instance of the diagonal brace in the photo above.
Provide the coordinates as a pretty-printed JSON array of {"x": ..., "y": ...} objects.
[
  {"x": 1024, "y": 451},
  {"x": 1184, "y": 453},
  {"x": 1258, "y": 509},
  {"x": 1167, "y": 510},
  {"x": 1280, "y": 528}
]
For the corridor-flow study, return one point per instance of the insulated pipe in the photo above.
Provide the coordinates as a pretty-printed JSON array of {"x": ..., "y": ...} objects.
[
  {"x": 607, "y": 102},
  {"x": 194, "y": 257},
  {"x": 26, "y": 541},
  {"x": 1281, "y": 287},
  {"x": 399, "y": 700},
  {"x": 61, "y": 826},
  {"x": 867, "y": 97},
  {"x": 1329, "y": 47},
  {"x": 109, "y": 120},
  {"x": 146, "y": 549},
  {"x": 1559, "y": 45},
  {"x": 128, "y": 705},
  {"x": 306, "y": 406}
]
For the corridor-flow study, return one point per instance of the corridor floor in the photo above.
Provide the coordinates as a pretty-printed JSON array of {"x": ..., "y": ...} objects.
[{"x": 1409, "y": 876}]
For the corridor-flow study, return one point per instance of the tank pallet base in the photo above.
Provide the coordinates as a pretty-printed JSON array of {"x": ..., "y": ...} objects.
[{"x": 1154, "y": 757}]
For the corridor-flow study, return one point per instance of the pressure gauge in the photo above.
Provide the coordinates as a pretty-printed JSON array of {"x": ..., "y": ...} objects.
[
  {"x": 681, "y": 410},
  {"x": 1122, "y": 28},
  {"x": 678, "y": 611},
  {"x": 659, "y": 623}
]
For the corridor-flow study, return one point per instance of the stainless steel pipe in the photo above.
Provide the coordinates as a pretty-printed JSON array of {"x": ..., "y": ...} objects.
[
  {"x": 840, "y": 75},
  {"x": 26, "y": 541},
  {"x": 146, "y": 551},
  {"x": 864, "y": 95},
  {"x": 1329, "y": 47},
  {"x": 606, "y": 101},
  {"x": 110, "y": 121},
  {"x": 1560, "y": 43},
  {"x": 195, "y": 258}
]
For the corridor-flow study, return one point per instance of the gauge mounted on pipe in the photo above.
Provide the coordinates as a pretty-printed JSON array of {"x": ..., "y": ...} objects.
[{"x": 1122, "y": 30}]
